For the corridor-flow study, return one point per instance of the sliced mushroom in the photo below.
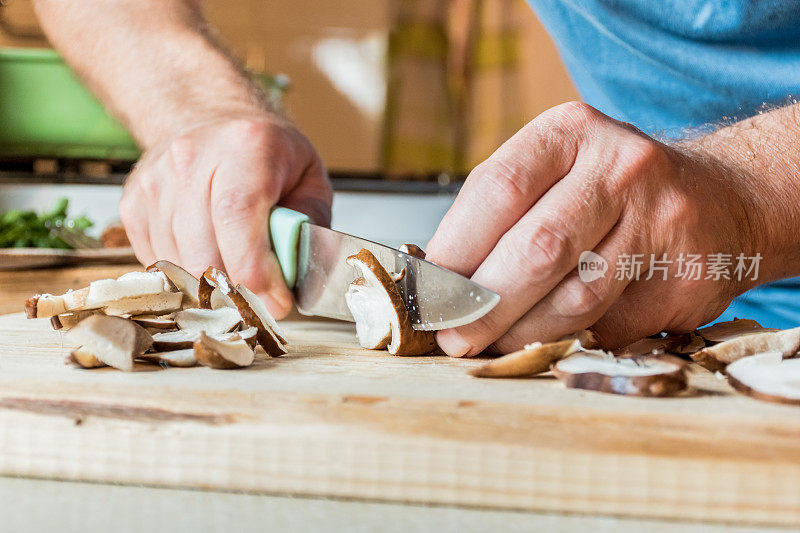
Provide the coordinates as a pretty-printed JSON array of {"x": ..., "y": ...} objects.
[
  {"x": 212, "y": 321},
  {"x": 84, "y": 358},
  {"x": 413, "y": 249},
  {"x": 102, "y": 293},
  {"x": 181, "y": 358},
  {"x": 184, "y": 338},
  {"x": 181, "y": 280},
  {"x": 159, "y": 303},
  {"x": 113, "y": 340},
  {"x": 48, "y": 305},
  {"x": 534, "y": 359},
  {"x": 252, "y": 310},
  {"x": 69, "y": 320},
  {"x": 130, "y": 285},
  {"x": 234, "y": 353},
  {"x": 687, "y": 343},
  {"x": 726, "y": 331},
  {"x": 379, "y": 311},
  {"x": 767, "y": 376},
  {"x": 717, "y": 357},
  {"x": 156, "y": 322},
  {"x": 654, "y": 375}
]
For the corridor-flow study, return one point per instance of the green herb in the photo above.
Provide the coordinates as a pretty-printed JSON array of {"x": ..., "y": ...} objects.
[{"x": 22, "y": 229}]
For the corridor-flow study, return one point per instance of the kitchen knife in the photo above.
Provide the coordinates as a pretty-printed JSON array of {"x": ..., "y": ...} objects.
[{"x": 313, "y": 262}]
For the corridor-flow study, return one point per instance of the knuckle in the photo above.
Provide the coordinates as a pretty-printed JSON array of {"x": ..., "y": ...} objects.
[
  {"x": 575, "y": 113},
  {"x": 182, "y": 154},
  {"x": 578, "y": 300},
  {"x": 499, "y": 180},
  {"x": 232, "y": 205},
  {"x": 642, "y": 155},
  {"x": 244, "y": 132},
  {"x": 542, "y": 249}
]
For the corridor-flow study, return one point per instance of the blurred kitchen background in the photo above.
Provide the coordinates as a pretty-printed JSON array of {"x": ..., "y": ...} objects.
[{"x": 401, "y": 97}]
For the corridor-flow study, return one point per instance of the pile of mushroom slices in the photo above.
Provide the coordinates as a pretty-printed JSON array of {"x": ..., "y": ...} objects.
[
  {"x": 757, "y": 361},
  {"x": 164, "y": 316}
]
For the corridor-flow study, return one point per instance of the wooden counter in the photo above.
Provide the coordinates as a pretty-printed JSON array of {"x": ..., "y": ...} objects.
[{"x": 331, "y": 419}]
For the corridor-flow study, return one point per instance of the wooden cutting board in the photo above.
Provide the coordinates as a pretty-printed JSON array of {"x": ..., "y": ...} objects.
[{"x": 334, "y": 420}]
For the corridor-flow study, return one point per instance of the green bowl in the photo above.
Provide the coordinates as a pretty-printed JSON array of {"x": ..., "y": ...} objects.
[{"x": 45, "y": 110}]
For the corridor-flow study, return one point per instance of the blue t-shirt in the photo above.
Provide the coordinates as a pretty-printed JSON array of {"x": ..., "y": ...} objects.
[{"x": 670, "y": 65}]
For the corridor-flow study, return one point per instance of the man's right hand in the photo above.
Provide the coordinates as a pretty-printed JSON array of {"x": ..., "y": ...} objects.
[{"x": 204, "y": 199}]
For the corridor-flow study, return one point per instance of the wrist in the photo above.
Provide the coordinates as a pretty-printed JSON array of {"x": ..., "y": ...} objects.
[{"x": 752, "y": 202}]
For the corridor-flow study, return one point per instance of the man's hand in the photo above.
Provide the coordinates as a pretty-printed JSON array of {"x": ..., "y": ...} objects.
[
  {"x": 216, "y": 158},
  {"x": 574, "y": 180},
  {"x": 204, "y": 199}
]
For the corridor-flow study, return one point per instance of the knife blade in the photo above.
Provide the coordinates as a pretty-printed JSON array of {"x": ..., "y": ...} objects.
[{"x": 435, "y": 297}]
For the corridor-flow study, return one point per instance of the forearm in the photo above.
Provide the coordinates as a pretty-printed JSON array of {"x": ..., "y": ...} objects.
[
  {"x": 152, "y": 62},
  {"x": 760, "y": 155}
]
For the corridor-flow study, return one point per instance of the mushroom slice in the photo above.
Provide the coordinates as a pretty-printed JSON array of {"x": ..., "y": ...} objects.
[
  {"x": 687, "y": 343},
  {"x": 379, "y": 311},
  {"x": 181, "y": 280},
  {"x": 717, "y": 357},
  {"x": 130, "y": 285},
  {"x": 48, "y": 305},
  {"x": 184, "y": 338},
  {"x": 767, "y": 376},
  {"x": 69, "y": 320},
  {"x": 252, "y": 310},
  {"x": 159, "y": 303},
  {"x": 165, "y": 322},
  {"x": 212, "y": 321},
  {"x": 174, "y": 340},
  {"x": 113, "y": 340},
  {"x": 234, "y": 353},
  {"x": 653, "y": 375},
  {"x": 181, "y": 358},
  {"x": 84, "y": 358},
  {"x": 534, "y": 359},
  {"x": 726, "y": 331},
  {"x": 413, "y": 249}
]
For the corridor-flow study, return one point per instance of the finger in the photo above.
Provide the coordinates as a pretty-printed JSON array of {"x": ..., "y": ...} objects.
[
  {"x": 313, "y": 195},
  {"x": 579, "y": 301},
  {"x": 240, "y": 213},
  {"x": 191, "y": 225},
  {"x": 537, "y": 253},
  {"x": 503, "y": 188},
  {"x": 133, "y": 214}
]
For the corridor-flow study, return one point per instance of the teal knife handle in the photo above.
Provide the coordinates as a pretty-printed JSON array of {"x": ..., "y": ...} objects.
[{"x": 284, "y": 228}]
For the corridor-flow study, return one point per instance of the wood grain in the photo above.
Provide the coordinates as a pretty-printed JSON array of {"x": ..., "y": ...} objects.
[{"x": 334, "y": 420}]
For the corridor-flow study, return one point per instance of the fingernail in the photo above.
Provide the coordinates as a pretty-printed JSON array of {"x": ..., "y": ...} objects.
[
  {"x": 452, "y": 343},
  {"x": 276, "y": 307}
]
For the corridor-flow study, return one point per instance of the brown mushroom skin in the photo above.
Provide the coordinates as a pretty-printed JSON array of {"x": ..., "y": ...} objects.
[
  {"x": 655, "y": 386},
  {"x": 30, "y": 307},
  {"x": 413, "y": 249},
  {"x": 214, "y": 278},
  {"x": 717, "y": 357},
  {"x": 527, "y": 362},
  {"x": 411, "y": 342}
]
